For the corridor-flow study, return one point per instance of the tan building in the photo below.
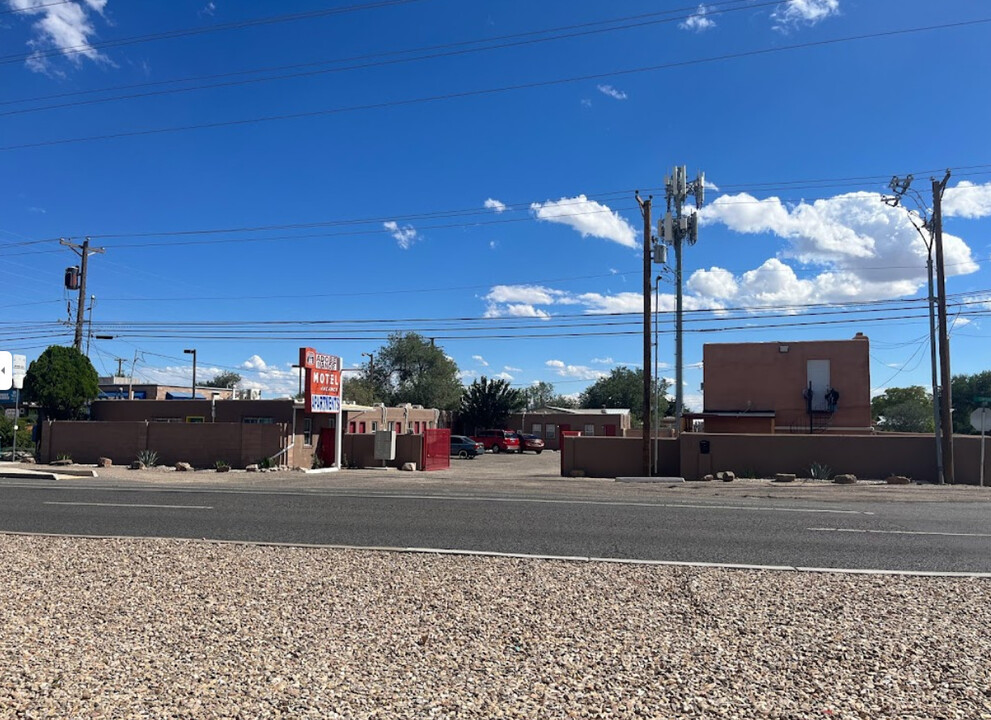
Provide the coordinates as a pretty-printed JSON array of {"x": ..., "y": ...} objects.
[
  {"x": 404, "y": 419},
  {"x": 550, "y": 422},
  {"x": 122, "y": 388},
  {"x": 800, "y": 387}
]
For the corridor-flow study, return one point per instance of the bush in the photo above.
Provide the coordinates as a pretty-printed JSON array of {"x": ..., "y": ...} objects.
[
  {"x": 148, "y": 458},
  {"x": 820, "y": 471}
]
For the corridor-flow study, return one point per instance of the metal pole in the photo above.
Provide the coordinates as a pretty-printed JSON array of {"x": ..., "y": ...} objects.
[
  {"x": 944, "y": 339},
  {"x": 983, "y": 426},
  {"x": 646, "y": 425},
  {"x": 932, "y": 363},
  {"x": 17, "y": 417},
  {"x": 679, "y": 402},
  {"x": 657, "y": 403}
]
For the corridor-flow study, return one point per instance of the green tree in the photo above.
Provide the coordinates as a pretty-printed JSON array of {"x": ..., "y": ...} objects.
[
  {"x": 966, "y": 389},
  {"x": 489, "y": 403},
  {"x": 623, "y": 388},
  {"x": 24, "y": 441},
  {"x": 410, "y": 369},
  {"x": 562, "y": 401},
  {"x": 223, "y": 380},
  {"x": 538, "y": 395},
  {"x": 61, "y": 382},
  {"x": 903, "y": 410}
]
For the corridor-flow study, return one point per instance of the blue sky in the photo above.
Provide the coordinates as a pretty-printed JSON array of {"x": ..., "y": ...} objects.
[{"x": 262, "y": 182}]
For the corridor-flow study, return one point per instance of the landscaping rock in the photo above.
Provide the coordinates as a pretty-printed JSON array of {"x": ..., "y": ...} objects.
[
  {"x": 578, "y": 473},
  {"x": 409, "y": 467},
  {"x": 137, "y": 465},
  {"x": 223, "y": 468},
  {"x": 251, "y": 468},
  {"x": 61, "y": 463},
  {"x": 845, "y": 479},
  {"x": 707, "y": 478},
  {"x": 28, "y": 460},
  {"x": 784, "y": 477},
  {"x": 183, "y": 467},
  {"x": 898, "y": 480},
  {"x": 104, "y": 462},
  {"x": 726, "y": 475}
]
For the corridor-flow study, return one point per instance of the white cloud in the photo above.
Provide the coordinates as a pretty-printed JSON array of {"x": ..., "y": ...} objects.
[
  {"x": 253, "y": 363},
  {"x": 708, "y": 185},
  {"x": 587, "y": 217},
  {"x": 792, "y": 13},
  {"x": 602, "y": 361},
  {"x": 480, "y": 360},
  {"x": 509, "y": 368},
  {"x": 493, "y": 244},
  {"x": 64, "y": 27},
  {"x": 516, "y": 310},
  {"x": 586, "y": 103},
  {"x": 865, "y": 249},
  {"x": 493, "y": 204},
  {"x": 612, "y": 92},
  {"x": 698, "y": 22},
  {"x": 579, "y": 372},
  {"x": 505, "y": 376},
  {"x": 467, "y": 375},
  {"x": 209, "y": 9},
  {"x": 522, "y": 293},
  {"x": 967, "y": 200},
  {"x": 404, "y": 235}
]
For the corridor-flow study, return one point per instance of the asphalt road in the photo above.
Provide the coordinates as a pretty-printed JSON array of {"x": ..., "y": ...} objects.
[{"x": 911, "y": 536}]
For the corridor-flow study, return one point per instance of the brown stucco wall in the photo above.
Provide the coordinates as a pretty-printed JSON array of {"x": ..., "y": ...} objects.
[
  {"x": 615, "y": 457},
  {"x": 758, "y": 376},
  {"x": 360, "y": 451},
  {"x": 220, "y": 411},
  {"x": 866, "y": 456},
  {"x": 200, "y": 444}
]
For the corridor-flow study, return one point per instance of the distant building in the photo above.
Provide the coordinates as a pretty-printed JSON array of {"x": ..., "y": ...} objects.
[
  {"x": 121, "y": 388},
  {"x": 799, "y": 387},
  {"x": 549, "y": 422}
]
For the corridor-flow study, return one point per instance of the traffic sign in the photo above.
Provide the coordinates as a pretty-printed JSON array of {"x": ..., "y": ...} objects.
[
  {"x": 18, "y": 369},
  {"x": 982, "y": 399},
  {"x": 981, "y": 419}
]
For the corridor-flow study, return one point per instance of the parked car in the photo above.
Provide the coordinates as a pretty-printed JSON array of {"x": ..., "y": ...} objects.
[
  {"x": 529, "y": 441},
  {"x": 498, "y": 440},
  {"x": 465, "y": 447}
]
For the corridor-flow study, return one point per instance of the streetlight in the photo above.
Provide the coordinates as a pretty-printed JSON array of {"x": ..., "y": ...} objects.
[{"x": 193, "y": 353}]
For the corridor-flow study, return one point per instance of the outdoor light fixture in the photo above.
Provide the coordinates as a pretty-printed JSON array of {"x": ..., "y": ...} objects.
[{"x": 193, "y": 353}]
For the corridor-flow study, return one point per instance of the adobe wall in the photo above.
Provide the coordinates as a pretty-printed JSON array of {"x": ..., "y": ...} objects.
[
  {"x": 359, "y": 449},
  {"x": 200, "y": 444},
  {"x": 604, "y": 457},
  {"x": 761, "y": 376}
]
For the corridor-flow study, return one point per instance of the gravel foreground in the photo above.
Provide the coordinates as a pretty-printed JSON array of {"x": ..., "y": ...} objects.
[{"x": 183, "y": 629}]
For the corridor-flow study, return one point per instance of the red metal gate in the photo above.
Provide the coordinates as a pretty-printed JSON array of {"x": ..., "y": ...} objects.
[{"x": 436, "y": 449}]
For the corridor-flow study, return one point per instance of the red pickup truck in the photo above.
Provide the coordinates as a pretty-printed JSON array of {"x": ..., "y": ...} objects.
[{"x": 498, "y": 440}]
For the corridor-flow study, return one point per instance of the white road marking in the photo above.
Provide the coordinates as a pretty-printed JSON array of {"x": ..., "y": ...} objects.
[
  {"x": 525, "y": 556},
  {"x": 134, "y": 505},
  {"x": 899, "y": 532}
]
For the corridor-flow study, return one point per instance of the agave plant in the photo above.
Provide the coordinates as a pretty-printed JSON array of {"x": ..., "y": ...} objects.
[
  {"x": 148, "y": 458},
  {"x": 820, "y": 471}
]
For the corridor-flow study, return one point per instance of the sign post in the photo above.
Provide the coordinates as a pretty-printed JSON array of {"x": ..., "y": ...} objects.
[
  {"x": 981, "y": 420},
  {"x": 322, "y": 391}
]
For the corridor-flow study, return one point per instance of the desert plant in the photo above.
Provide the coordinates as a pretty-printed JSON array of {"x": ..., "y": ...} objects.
[
  {"x": 148, "y": 458},
  {"x": 64, "y": 457},
  {"x": 222, "y": 466},
  {"x": 820, "y": 471},
  {"x": 265, "y": 463}
]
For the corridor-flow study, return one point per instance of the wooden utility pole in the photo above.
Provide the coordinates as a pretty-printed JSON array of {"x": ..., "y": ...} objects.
[
  {"x": 84, "y": 252},
  {"x": 647, "y": 274},
  {"x": 945, "y": 396}
]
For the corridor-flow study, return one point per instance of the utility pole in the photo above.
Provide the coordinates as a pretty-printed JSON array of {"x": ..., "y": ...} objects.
[
  {"x": 945, "y": 398},
  {"x": 645, "y": 206},
  {"x": 675, "y": 230},
  {"x": 120, "y": 367},
  {"x": 83, "y": 251},
  {"x": 901, "y": 186}
]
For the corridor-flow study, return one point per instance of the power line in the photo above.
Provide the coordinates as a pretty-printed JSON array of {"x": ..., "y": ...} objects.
[
  {"x": 360, "y": 62},
  {"x": 490, "y": 91},
  {"x": 34, "y": 8},
  {"x": 201, "y": 30}
]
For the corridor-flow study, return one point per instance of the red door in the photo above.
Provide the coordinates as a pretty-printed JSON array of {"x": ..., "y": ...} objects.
[
  {"x": 327, "y": 446},
  {"x": 610, "y": 430}
]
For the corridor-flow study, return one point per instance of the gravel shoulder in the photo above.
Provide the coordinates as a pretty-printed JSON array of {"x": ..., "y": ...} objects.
[{"x": 183, "y": 629}]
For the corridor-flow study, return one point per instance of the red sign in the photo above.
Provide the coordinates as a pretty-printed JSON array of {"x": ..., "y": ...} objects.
[{"x": 323, "y": 381}]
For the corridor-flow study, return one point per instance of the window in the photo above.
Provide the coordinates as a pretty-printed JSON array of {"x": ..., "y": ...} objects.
[
  {"x": 375, "y": 426},
  {"x": 398, "y": 427},
  {"x": 194, "y": 418},
  {"x": 417, "y": 426},
  {"x": 166, "y": 419},
  {"x": 537, "y": 429},
  {"x": 550, "y": 431},
  {"x": 362, "y": 427},
  {"x": 589, "y": 430},
  {"x": 352, "y": 426},
  {"x": 307, "y": 432}
]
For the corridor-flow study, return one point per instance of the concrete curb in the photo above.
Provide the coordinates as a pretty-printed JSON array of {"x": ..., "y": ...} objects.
[{"x": 666, "y": 480}]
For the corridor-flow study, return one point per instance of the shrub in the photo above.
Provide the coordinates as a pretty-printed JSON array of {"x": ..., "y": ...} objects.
[
  {"x": 820, "y": 471},
  {"x": 148, "y": 458}
]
